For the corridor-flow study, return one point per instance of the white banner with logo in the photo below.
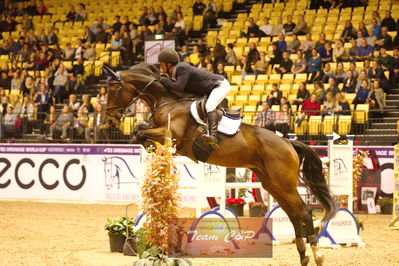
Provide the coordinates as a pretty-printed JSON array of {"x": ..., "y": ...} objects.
[{"x": 109, "y": 173}]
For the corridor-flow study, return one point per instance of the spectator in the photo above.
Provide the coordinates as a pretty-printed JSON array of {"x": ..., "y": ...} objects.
[
  {"x": 333, "y": 87},
  {"x": 283, "y": 119},
  {"x": 184, "y": 52},
  {"x": 9, "y": 122},
  {"x": 116, "y": 43},
  {"x": 3, "y": 106},
  {"x": 302, "y": 27},
  {"x": 26, "y": 114},
  {"x": 266, "y": 117},
  {"x": 278, "y": 28},
  {"x": 376, "y": 28},
  {"x": 395, "y": 72},
  {"x": 174, "y": 13},
  {"x": 349, "y": 32},
  {"x": 71, "y": 16},
  {"x": 253, "y": 29},
  {"x": 117, "y": 25},
  {"x": 327, "y": 73},
  {"x": 52, "y": 38},
  {"x": 277, "y": 55},
  {"x": 101, "y": 36},
  {"x": 329, "y": 105},
  {"x": 89, "y": 52},
  {"x": 27, "y": 23},
  {"x": 266, "y": 28},
  {"x": 102, "y": 97},
  {"x": 43, "y": 102},
  {"x": 16, "y": 104},
  {"x": 81, "y": 14},
  {"x": 353, "y": 51},
  {"x": 143, "y": 20},
  {"x": 73, "y": 103},
  {"x": 343, "y": 106},
  {"x": 326, "y": 53},
  {"x": 349, "y": 83},
  {"x": 28, "y": 87},
  {"x": 180, "y": 28},
  {"x": 86, "y": 105},
  {"x": 261, "y": 65},
  {"x": 219, "y": 53},
  {"x": 88, "y": 35},
  {"x": 375, "y": 98},
  {"x": 376, "y": 16},
  {"x": 210, "y": 18},
  {"x": 363, "y": 29},
  {"x": 362, "y": 93},
  {"x": 100, "y": 22},
  {"x": 246, "y": 67},
  {"x": 307, "y": 45},
  {"x": 376, "y": 72},
  {"x": 231, "y": 58},
  {"x": 151, "y": 16},
  {"x": 158, "y": 30},
  {"x": 362, "y": 76},
  {"x": 211, "y": 7},
  {"x": 99, "y": 125},
  {"x": 388, "y": 22},
  {"x": 169, "y": 26},
  {"x": 220, "y": 70},
  {"x": 60, "y": 83},
  {"x": 284, "y": 101},
  {"x": 385, "y": 40},
  {"x": 359, "y": 38},
  {"x": 16, "y": 82},
  {"x": 62, "y": 124},
  {"x": 160, "y": 13},
  {"x": 294, "y": 44},
  {"x": 202, "y": 48},
  {"x": 69, "y": 52},
  {"x": 127, "y": 49},
  {"x": 198, "y": 8},
  {"x": 5, "y": 81},
  {"x": 314, "y": 65},
  {"x": 299, "y": 65},
  {"x": 310, "y": 107},
  {"x": 371, "y": 38},
  {"x": 319, "y": 91},
  {"x": 322, "y": 41},
  {"x": 41, "y": 63},
  {"x": 302, "y": 94},
  {"x": 253, "y": 54},
  {"x": 364, "y": 51},
  {"x": 286, "y": 64},
  {"x": 275, "y": 95},
  {"x": 134, "y": 36},
  {"x": 41, "y": 8},
  {"x": 194, "y": 56},
  {"x": 289, "y": 26}
]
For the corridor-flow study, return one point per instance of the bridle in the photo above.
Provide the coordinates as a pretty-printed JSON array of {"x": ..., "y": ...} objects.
[{"x": 121, "y": 111}]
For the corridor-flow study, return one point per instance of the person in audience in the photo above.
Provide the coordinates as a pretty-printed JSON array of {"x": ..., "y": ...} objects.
[
  {"x": 80, "y": 124},
  {"x": 302, "y": 94},
  {"x": 362, "y": 28},
  {"x": 183, "y": 53},
  {"x": 322, "y": 41},
  {"x": 117, "y": 24},
  {"x": 253, "y": 54},
  {"x": 340, "y": 73},
  {"x": 362, "y": 94},
  {"x": 314, "y": 66},
  {"x": 278, "y": 28},
  {"x": 16, "y": 81},
  {"x": 299, "y": 65},
  {"x": 81, "y": 13},
  {"x": 289, "y": 26},
  {"x": 286, "y": 64},
  {"x": 231, "y": 58},
  {"x": 5, "y": 81},
  {"x": 246, "y": 68},
  {"x": 349, "y": 83},
  {"x": 307, "y": 45},
  {"x": 283, "y": 119},
  {"x": 266, "y": 117},
  {"x": 69, "y": 52},
  {"x": 43, "y": 102},
  {"x": 326, "y": 53},
  {"x": 353, "y": 51},
  {"x": 267, "y": 28},
  {"x": 362, "y": 76},
  {"x": 5, "y": 102},
  {"x": 71, "y": 15},
  {"x": 301, "y": 28},
  {"x": 99, "y": 126},
  {"x": 9, "y": 123},
  {"x": 376, "y": 28},
  {"x": 116, "y": 42},
  {"x": 282, "y": 44},
  {"x": 277, "y": 55},
  {"x": 385, "y": 60},
  {"x": 169, "y": 26},
  {"x": 219, "y": 53},
  {"x": 388, "y": 22},
  {"x": 343, "y": 106},
  {"x": 86, "y": 105},
  {"x": 198, "y": 8},
  {"x": 364, "y": 51},
  {"x": 333, "y": 87},
  {"x": 293, "y": 45},
  {"x": 89, "y": 52},
  {"x": 359, "y": 38},
  {"x": 220, "y": 70},
  {"x": 375, "y": 98},
  {"x": 329, "y": 105},
  {"x": 49, "y": 119},
  {"x": 327, "y": 73},
  {"x": 101, "y": 35},
  {"x": 349, "y": 32},
  {"x": 102, "y": 97},
  {"x": 26, "y": 114},
  {"x": 60, "y": 83},
  {"x": 62, "y": 124},
  {"x": 180, "y": 28},
  {"x": 260, "y": 66},
  {"x": 284, "y": 101},
  {"x": 275, "y": 95},
  {"x": 395, "y": 71},
  {"x": 194, "y": 56},
  {"x": 310, "y": 107},
  {"x": 371, "y": 38},
  {"x": 385, "y": 40},
  {"x": 253, "y": 29},
  {"x": 377, "y": 73}
]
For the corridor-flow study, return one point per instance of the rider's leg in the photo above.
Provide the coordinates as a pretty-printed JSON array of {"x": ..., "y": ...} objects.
[{"x": 214, "y": 99}]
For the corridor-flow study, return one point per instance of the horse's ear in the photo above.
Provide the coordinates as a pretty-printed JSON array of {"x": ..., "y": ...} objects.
[{"x": 111, "y": 75}]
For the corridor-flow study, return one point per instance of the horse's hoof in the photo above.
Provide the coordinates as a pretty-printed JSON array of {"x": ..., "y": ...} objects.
[
  {"x": 319, "y": 260},
  {"x": 305, "y": 261}
]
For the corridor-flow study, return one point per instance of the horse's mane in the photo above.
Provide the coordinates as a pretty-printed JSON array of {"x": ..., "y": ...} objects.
[{"x": 147, "y": 69}]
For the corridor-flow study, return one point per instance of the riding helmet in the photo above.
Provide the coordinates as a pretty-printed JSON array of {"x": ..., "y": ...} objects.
[{"x": 168, "y": 56}]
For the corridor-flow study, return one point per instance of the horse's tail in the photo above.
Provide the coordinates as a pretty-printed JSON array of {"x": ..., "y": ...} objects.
[{"x": 314, "y": 179}]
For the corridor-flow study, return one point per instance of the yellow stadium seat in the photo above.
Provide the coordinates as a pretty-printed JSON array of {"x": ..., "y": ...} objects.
[
  {"x": 236, "y": 79},
  {"x": 245, "y": 89},
  {"x": 314, "y": 125},
  {"x": 344, "y": 124},
  {"x": 276, "y": 108},
  {"x": 328, "y": 125},
  {"x": 361, "y": 113},
  {"x": 258, "y": 89},
  {"x": 249, "y": 108}
]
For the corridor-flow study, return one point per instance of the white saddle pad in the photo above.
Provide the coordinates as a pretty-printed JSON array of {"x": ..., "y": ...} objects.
[{"x": 227, "y": 125}]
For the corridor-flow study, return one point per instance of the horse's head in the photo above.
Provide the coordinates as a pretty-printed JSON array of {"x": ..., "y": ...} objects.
[
  {"x": 111, "y": 172},
  {"x": 119, "y": 97}
]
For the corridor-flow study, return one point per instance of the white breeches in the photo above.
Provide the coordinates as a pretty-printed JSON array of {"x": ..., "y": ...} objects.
[{"x": 217, "y": 95}]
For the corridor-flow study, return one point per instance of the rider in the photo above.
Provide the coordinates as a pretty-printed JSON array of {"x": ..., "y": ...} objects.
[{"x": 186, "y": 78}]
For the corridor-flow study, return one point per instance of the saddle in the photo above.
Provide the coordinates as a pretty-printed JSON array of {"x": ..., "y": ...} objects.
[{"x": 232, "y": 113}]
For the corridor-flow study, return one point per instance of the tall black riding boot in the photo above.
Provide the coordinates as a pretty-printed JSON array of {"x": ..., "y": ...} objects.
[{"x": 211, "y": 138}]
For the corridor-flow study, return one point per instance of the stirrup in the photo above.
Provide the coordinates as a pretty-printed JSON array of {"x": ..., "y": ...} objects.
[{"x": 209, "y": 140}]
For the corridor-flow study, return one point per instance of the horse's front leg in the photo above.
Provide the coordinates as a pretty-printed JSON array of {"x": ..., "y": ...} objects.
[{"x": 155, "y": 134}]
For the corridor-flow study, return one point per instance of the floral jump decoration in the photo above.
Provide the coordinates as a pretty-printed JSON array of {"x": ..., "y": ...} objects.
[{"x": 358, "y": 163}]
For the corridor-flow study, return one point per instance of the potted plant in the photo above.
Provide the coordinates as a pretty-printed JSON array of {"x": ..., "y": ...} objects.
[
  {"x": 257, "y": 209},
  {"x": 117, "y": 232},
  {"x": 236, "y": 205},
  {"x": 386, "y": 205}
]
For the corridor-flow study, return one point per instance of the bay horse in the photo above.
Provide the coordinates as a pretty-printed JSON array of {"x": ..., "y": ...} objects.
[{"x": 275, "y": 160}]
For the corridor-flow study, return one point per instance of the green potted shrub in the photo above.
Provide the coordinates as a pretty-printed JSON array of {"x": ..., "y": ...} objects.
[
  {"x": 117, "y": 232},
  {"x": 236, "y": 205},
  {"x": 386, "y": 205},
  {"x": 257, "y": 209}
]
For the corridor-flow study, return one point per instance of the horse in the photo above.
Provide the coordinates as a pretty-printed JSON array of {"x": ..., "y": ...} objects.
[
  {"x": 275, "y": 160},
  {"x": 114, "y": 167}
]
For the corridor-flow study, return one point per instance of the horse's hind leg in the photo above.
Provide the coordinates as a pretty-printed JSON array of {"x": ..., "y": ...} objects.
[{"x": 295, "y": 208}]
